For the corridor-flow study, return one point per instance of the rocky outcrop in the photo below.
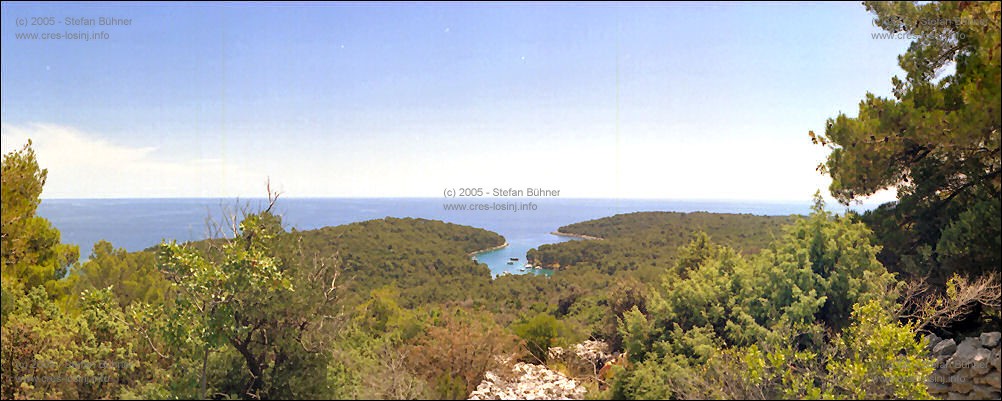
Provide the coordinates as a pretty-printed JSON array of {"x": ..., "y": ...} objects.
[
  {"x": 529, "y": 382},
  {"x": 968, "y": 371},
  {"x": 594, "y": 353},
  {"x": 537, "y": 382}
]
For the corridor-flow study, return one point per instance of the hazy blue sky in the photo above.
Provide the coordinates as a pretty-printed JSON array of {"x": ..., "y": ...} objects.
[{"x": 686, "y": 101}]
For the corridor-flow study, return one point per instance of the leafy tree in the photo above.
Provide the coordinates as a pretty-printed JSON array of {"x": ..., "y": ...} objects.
[
  {"x": 54, "y": 343},
  {"x": 937, "y": 141},
  {"x": 636, "y": 331},
  {"x": 382, "y": 315},
  {"x": 832, "y": 256},
  {"x": 275, "y": 314},
  {"x": 878, "y": 358},
  {"x": 48, "y": 353},
  {"x": 22, "y": 185},
  {"x": 132, "y": 277},
  {"x": 31, "y": 252},
  {"x": 966, "y": 239},
  {"x": 37, "y": 345}
]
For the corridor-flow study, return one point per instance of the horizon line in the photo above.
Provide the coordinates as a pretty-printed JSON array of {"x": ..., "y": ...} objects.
[{"x": 462, "y": 199}]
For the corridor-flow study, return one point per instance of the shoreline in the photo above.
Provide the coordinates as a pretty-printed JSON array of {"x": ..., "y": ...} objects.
[
  {"x": 582, "y": 236},
  {"x": 493, "y": 248}
]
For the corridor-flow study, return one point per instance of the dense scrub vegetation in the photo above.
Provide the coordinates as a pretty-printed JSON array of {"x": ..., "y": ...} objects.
[
  {"x": 649, "y": 239},
  {"x": 937, "y": 142},
  {"x": 602, "y": 279},
  {"x": 775, "y": 321},
  {"x": 427, "y": 260},
  {"x": 260, "y": 314},
  {"x": 701, "y": 305},
  {"x": 265, "y": 313}
]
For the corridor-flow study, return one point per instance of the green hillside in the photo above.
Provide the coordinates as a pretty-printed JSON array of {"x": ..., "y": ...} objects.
[{"x": 427, "y": 259}]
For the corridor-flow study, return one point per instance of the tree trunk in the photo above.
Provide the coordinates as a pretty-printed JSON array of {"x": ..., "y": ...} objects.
[
  {"x": 205, "y": 363},
  {"x": 253, "y": 365}
]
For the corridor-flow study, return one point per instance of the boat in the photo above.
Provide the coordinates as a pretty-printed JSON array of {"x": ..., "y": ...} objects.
[
  {"x": 511, "y": 263},
  {"x": 513, "y": 259},
  {"x": 528, "y": 266}
]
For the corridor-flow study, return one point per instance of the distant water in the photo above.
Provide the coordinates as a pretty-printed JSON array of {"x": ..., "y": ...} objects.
[{"x": 137, "y": 224}]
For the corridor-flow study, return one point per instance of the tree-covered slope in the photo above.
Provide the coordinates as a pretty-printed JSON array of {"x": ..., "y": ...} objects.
[
  {"x": 649, "y": 239},
  {"x": 427, "y": 259}
]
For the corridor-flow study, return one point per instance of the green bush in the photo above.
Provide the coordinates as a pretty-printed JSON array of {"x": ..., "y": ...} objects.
[{"x": 540, "y": 333}]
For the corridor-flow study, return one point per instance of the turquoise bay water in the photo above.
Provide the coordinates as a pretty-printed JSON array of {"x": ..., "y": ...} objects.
[
  {"x": 498, "y": 260},
  {"x": 137, "y": 224}
]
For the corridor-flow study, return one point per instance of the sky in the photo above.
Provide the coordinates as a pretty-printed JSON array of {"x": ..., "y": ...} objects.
[{"x": 672, "y": 100}]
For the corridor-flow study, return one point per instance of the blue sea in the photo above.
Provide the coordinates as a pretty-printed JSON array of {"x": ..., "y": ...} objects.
[{"x": 136, "y": 224}]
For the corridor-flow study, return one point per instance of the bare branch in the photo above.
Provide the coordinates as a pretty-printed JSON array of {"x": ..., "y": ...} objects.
[
  {"x": 272, "y": 195},
  {"x": 929, "y": 309}
]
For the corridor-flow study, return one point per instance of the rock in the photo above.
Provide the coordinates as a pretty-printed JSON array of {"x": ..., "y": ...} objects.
[
  {"x": 979, "y": 363},
  {"x": 596, "y": 352},
  {"x": 938, "y": 388},
  {"x": 960, "y": 385},
  {"x": 996, "y": 359},
  {"x": 555, "y": 353},
  {"x": 983, "y": 392},
  {"x": 945, "y": 347},
  {"x": 964, "y": 357},
  {"x": 993, "y": 379},
  {"x": 940, "y": 363},
  {"x": 531, "y": 382},
  {"x": 969, "y": 370},
  {"x": 940, "y": 376},
  {"x": 933, "y": 340},
  {"x": 954, "y": 364},
  {"x": 990, "y": 339},
  {"x": 972, "y": 341}
]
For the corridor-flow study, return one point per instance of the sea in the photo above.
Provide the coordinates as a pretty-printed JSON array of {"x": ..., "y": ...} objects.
[{"x": 137, "y": 224}]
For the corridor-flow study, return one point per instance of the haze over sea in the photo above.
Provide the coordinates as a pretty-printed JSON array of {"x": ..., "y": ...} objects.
[{"x": 136, "y": 224}]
